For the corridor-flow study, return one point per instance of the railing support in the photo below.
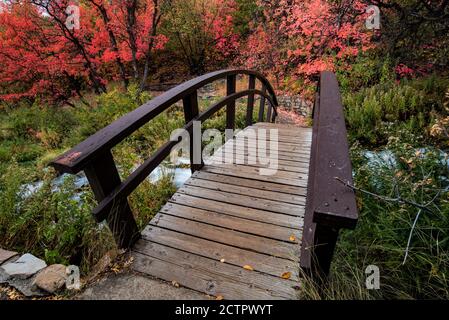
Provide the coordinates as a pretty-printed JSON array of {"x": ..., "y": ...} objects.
[
  {"x": 250, "y": 106},
  {"x": 103, "y": 178},
  {"x": 324, "y": 247},
  {"x": 230, "y": 108},
  {"x": 191, "y": 111},
  {"x": 262, "y": 104}
]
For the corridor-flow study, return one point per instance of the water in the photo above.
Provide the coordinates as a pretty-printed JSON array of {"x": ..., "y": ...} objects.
[{"x": 178, "y": 174}]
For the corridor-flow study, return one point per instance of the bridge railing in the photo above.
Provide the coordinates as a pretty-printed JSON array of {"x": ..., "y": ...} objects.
[
  {"x": 330, "y": 205},
  {"x": 94, "y": 157}
]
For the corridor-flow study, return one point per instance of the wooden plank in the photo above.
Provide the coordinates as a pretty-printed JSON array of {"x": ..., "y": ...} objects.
[
  {"x": 304, "y": 158},
  {"x": 282, "y": 126},
  {"x": 217, "y": 251},
  {"x": 234, "y": 238},
  {"x": 247, "y": 161},
  {"x": 281, "y": 149},
  {"x": 261, "y": 185},
  {"x": 256, "y": 172},
  {"x": 275, "y": 285},
  {"x": 239, "y": 211},
  {"x": 266, "y": 145},
  {"x": 194, "y": 273},
  {"x": 234, "y": 223},
  {"x": 254, "y": 175},
  {"x": 263, "y": 194},
  {"x": 242, "y": 200},
  {"x": 292, "y": 133}
]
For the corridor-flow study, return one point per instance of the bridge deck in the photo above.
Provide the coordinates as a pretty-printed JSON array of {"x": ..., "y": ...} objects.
[{"x": 228, "y": 218}]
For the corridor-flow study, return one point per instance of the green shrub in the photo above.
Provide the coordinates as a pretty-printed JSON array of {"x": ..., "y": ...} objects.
[{"x": 373, "y": 113}]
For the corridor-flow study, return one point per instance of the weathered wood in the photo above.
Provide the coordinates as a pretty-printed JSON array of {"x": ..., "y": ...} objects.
[
  {"x": 208, "y": 276},
  {"x": 103, "y": 177},
  {"x": 231, "y": 212},
  {"x": 275, "y": 285},
  {"x": 330, "y": 204},
  {"x": 247, "y": 160},
  {"x": 236, "y": 189},
  {"x": 230, "y": 108},
  {"x": 239, "y": 211},
  {"x": 252, "y": 184},
  {"x": 247, "y": 201},
  {"x": 262, "y": 105},
  {"x": 238, "y": 239},
  {"x": 234, "y": 223},
  {"x": 190, "y": 103},
  {"x": 253, "y": 173},
  {"x": 218, "y": 251},
  {"x": 250, "y": 105}
]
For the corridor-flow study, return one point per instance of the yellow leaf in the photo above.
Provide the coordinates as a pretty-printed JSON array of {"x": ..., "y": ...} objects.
[
  {"x": 286, "y": 275},
  {"x": 219, "y": 298},
  {"x": 292, "y": 238},
  {"x": 175, "y": 284},
  {"x": 222, "y": 260},
  {"x": 248, "y": 267}
]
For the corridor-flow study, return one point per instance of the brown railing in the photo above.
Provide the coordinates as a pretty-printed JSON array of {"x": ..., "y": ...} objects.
[
  {"x": 330, "y": 205},
  {"x": 94, "y": 157}
]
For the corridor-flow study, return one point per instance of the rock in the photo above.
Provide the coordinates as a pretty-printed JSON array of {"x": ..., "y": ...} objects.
[
  {"x": 6, "y": 255},
  {"x": 25, "y": 286},
  {"x": 25, "y": 267},
  {"x": 51, "y": 279}
]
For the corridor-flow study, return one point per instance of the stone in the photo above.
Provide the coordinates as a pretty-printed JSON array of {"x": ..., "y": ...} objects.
[
  {"x": 25, "y": 267},
  {"x": 26, "y": 287},
  {"x": 51, "y": 279},
  {"x": 5, "y": 255}
]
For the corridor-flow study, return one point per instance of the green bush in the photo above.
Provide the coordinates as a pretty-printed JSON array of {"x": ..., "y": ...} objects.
[{"x": 373, "y": 113}]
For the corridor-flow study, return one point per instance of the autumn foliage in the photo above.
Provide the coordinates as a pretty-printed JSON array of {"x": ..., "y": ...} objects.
[{"x": 124, "y": 41}]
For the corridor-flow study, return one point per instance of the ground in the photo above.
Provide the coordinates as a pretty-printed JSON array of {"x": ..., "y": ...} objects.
[{"x": 133, "y": 286}]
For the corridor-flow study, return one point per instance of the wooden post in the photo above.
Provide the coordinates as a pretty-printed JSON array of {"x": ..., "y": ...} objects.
[
  {"x": 250, "y": 107},
  {"x": 191, "y": 111},
  {"x": 103, "y": 178},
  {"x": 230, "y": 108},
  {"x": 262, "y": 104},
  {"x": 323, "y": 250}
]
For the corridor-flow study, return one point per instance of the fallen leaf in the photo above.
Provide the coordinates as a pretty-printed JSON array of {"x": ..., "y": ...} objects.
[
  {"x": 175, "y": 284},
  {"x": 222, "y": 260},
  {"x": 248, "y": 267},
  {"x": 292, "y": 238},
  {"x": 219, "y": 298},
  {"x": 286, "y": 275}
]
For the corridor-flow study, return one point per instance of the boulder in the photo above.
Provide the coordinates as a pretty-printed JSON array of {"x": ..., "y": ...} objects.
[
  {"x": 6, "y": 255},
  {"x": 51, "y": 279},
  {"x": 25, "y": 267}
]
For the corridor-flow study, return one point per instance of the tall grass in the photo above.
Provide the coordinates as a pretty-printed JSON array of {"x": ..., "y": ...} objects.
[{"x": 394, "y": 119}]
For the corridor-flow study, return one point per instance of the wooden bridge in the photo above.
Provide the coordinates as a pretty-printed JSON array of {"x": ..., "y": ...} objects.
[{"x": 231, "y": 231}]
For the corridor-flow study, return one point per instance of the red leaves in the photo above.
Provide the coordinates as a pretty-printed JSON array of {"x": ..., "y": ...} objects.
[
  {"x": 303, "y": 37},
  {"x": 40, "y": 56}
]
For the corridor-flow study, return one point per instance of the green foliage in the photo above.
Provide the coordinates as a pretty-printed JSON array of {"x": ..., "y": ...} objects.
[
  {"x": 55, "y": 223},
  {"x": 373, "y": 113},
  {"x": 247, "y": 12}
]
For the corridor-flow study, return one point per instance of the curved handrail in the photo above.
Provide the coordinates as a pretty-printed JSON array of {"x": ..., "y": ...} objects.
[
  {"x": 132, "y": 182},
  {"x": 74, "y": 160}
]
